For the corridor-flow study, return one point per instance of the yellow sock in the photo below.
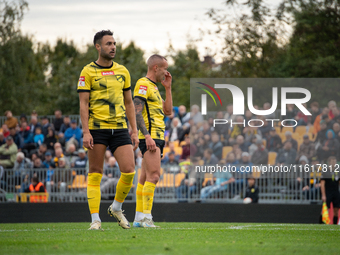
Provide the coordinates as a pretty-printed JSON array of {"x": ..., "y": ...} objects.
[
  {"x": 148, "y": 193},
  {"x": 123, "y": 186},
  {"x": 93, "y": 191},
  {"x": 139, "y": 198}
]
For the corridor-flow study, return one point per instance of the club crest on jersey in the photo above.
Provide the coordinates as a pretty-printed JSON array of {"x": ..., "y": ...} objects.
[
  {"x": 108, "y": 73},
  {"x": 120, "y": 78},
  {"x": 142, "y": 90},
  {"x": 81, "y": 81}
]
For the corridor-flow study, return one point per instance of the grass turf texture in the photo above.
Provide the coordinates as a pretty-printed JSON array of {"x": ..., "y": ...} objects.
[{"x": 171, "y": 238}]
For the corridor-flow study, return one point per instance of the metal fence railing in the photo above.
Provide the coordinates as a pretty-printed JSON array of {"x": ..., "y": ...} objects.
[
  {"x": 51, "y": 118},
  {"x": 175, "y": 184}
]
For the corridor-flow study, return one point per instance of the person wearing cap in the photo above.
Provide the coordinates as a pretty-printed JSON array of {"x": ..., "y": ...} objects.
[
  {"x": 289, "y": 138},
  {"x": 81, "y": 160},
  {"x": 73, "y": 132},
  {"x": 8, "y": 153},
  {"x": 49, "y": 160},
  {"x": 274, "y": 142},
  {"x": 11, "y": 121},
  {"x": 307, "y": 148}
]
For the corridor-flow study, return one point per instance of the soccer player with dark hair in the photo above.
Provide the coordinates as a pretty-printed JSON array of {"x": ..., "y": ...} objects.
[
  {"x": 330, "y": 187},
  {"x": 150, "y": 111},
  {"x": 105, "y": 96}
]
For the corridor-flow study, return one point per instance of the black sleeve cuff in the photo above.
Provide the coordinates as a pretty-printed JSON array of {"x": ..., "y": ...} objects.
[
  {"x": 83, "y": 90},
  {"x": 129, "y": 88}
]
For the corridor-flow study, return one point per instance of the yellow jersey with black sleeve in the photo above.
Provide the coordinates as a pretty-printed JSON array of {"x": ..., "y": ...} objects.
[
  {"x": 106, "y": 86},
  {"x": 153, "y": 114}
]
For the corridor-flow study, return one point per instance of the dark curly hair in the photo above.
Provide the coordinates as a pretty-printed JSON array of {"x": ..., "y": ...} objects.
[{"x": 99, "y": 35}]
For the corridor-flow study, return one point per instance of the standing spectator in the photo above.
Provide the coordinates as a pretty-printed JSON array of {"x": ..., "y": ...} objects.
[
  {"x": 286, "y": 155},
  {"x": 58, "y": 120},
  {"x": 34, "y": 123},
  {"x": 73, "y": 132},
  {"x": 36, "y": 187},
  {"x": 17, "y": 138},
  {"x": 260, "y": 156},
  {"x": 45, "y": 125},
  {"x": 252, "y": 191},
  {"x": 8, "y": 153},
  {"x": 274, "y": 142},
  {"x": 307, "y": 148},
  {"x": 216, "y": 145},
  {"x": 39, "y": 137},
  {"x": 330, "y": 188},
  {"x": 11, "y": 121},
  {"x": 290, "y": 139},
  {"x": 50, "y": 139},
  {"x": 81, "y": 161}
]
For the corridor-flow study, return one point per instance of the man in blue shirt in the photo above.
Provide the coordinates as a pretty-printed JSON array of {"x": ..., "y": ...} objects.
[{"x": 74, "y": 132}]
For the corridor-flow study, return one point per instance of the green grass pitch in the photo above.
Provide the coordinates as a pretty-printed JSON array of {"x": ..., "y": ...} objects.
[{"x": 171, "y": 238}]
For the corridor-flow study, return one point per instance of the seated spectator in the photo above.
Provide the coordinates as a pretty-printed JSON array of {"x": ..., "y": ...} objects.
[
  {"x": 237, "y": 129},
  {"x": 8, "y": 153},
  {"x": 252, "y": 191},
  {"x": 17, "y": 138},
  {"x": 40, "y": 168},
  {"x": 58, "y": 120},
  {"x": 11, "y": 121},
  {"x": 65, "y": 125},
  {"x": 2, "y": 139},
  {"x": 290, "y": 139},
  {"x": 58, "y": 155},
  {"x": 222, "y": 130},
  {"x": 45, "y": 125},
  {"x": 195, "y": 114},
  {"x": 81, "y": 160},
  {"x": 202, "y": 145},
  {"x": 175, "y": 130},
  {"x": 329, "y": 148},
  {"x": 71, "y": 154},
  {"x": 265, "y": 129},
  {"x": 253, "y": 146},
  {"x": 209, "y": 157},
  {"x": 274, "y": 142},
  {"x": 73, "y": 134},
  {"x": 34, "y": 124},
  {"x": 110, "y": 177},
  {"x": 172, "y": 165},
  {"x": 41, "y": 151},
  {"x": 20, "y": 169},
  {"x": 219, "y": 187},
  {"x": 241, "y": 143},
  {"x": 236, "y": 151},
  {"x": 216, "y": 145},
  {"x": 49, "y": 160},
  {"x": 61, "y": 178},
  {"x": 50, "y": 139},
  {"x": 260, "y": 156},
  {"x": 38, "y": 137},
  {"x": 5, "y": 130},
  {"x": 336, "y": 129},
  {"x": 26, "y": 133},
  {"x": 286, "y": 155},
  {"x": 315, "y": 110},
  {"x": 307, "y": 148},
  {"x": 301, "y": 118},
  {"x": 183, "y": 115},
  {"x": 107, "y": 157},
  {"x": 187, "y": 148},
  {"x": 249, "y": 133},
  {"x": 206, "y": 128},
  {"x": 336, "y": 114},
  {"x": 321, "y": 135}
]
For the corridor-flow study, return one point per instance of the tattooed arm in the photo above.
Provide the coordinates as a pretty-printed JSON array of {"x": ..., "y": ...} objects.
[{"x": 139, "y": 106}]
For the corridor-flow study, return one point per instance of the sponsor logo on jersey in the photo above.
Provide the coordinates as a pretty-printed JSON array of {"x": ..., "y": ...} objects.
[
  {"x": 108, "y": 73},
  {"x": 81, "y": 81},
  {"x": 142, "y": 90}
]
